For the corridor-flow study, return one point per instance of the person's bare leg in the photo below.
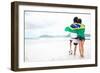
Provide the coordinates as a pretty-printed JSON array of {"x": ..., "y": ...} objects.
[
  {"x": 75, "y": 49},
  {"x": 70, "y": 44},
  {"x": 70, "y": 52},
  {"x": 82, "y": 49}
]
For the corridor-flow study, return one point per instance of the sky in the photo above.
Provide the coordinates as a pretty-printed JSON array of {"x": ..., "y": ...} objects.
[{"x": 53, "y": 23}]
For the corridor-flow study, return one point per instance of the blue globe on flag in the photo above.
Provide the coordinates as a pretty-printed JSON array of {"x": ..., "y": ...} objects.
[{"x": 75, "y": 25}]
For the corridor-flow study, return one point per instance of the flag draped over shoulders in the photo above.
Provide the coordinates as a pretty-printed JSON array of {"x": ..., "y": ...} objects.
[{"x": 79, "y": 31}]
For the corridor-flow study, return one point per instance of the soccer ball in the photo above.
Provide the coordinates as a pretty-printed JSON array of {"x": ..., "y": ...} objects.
[{"x": 70, "y": 52}]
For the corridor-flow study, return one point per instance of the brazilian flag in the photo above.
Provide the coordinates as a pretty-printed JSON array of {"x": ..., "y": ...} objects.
[{"x": 79, "y": 31}]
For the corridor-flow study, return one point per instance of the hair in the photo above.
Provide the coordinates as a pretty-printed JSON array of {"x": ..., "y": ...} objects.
[
  {"x": 79, "y": 21},
  {"x": 75, "y": 19}
]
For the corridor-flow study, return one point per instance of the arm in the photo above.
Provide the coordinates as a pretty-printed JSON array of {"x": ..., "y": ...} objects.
[{"x": 69, "y": 29}]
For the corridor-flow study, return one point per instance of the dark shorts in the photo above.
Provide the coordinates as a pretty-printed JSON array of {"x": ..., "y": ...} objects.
[
  {"x": 71, "y": 41},
  {"x": 81, "y": 38},
  {"x": 75, "y": 43}
]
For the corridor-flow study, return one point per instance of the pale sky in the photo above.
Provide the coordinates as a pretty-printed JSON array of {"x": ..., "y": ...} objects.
[{"x": 49, "y": 23}]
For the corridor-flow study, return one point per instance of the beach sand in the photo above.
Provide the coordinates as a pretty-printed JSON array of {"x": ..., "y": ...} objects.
[{"x": 52, "y": 49}]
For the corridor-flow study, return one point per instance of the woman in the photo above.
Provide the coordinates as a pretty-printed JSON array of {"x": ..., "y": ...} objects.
[{"x": 81, "y": 37}]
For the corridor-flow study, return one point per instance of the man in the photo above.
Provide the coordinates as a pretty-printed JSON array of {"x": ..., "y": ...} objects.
[{"x": 74, "y": 36}]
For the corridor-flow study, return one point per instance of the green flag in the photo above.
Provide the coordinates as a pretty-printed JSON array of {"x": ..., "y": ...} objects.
[{"x": 79, "y": 31}]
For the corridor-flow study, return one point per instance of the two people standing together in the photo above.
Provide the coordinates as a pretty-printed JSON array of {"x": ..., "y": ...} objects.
[{"x": 79, "y": 29}]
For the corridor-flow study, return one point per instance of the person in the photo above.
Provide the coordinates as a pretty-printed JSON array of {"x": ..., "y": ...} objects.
[
  {"x": 80, "y": 35},
  {"x": 74, "y": 39}
]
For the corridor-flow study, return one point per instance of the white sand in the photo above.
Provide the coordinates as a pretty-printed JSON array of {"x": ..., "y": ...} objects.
[{"x": 52, "y": 49}]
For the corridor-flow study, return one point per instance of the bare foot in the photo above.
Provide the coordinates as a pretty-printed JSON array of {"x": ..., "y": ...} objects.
[
  {"x": 74, "y": 54},
  {"x": 82, "y": 56}
]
